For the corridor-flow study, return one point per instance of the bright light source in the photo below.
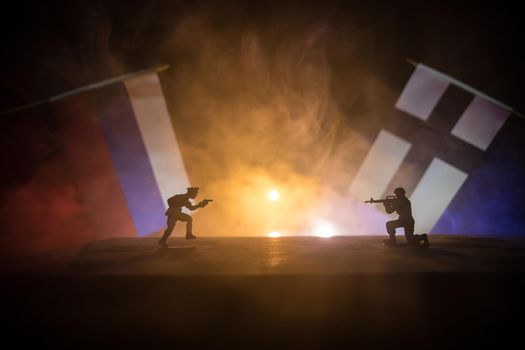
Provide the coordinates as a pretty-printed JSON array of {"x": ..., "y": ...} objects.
[
  {"x": 274, "y": 234},
  {"x": 274, "y": 195},
  {"x": 324, "y": 229}
]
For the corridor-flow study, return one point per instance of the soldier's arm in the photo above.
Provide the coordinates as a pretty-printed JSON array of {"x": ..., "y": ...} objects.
[
  {"x": 193, "y": 207},
  {"x": 201, "y": 204},
  {"x": 389, "y": 207}
]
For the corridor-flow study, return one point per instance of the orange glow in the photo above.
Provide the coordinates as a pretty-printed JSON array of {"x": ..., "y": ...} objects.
[
  {"x": 245, "y": 208},
  {"x": 324, "y": 229},
  {"x": 274, "y": 195}
]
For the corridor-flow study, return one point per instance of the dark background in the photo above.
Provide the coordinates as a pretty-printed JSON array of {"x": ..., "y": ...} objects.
[{"x": 476, "y": 43}]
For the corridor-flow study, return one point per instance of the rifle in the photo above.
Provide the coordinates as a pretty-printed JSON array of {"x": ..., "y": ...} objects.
[
  {"x": 205, "y": 201},
  {"x": 387, "y": 201}
]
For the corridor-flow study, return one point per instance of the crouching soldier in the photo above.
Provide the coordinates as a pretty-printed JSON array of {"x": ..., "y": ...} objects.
[{"x": 174, "y": 213}]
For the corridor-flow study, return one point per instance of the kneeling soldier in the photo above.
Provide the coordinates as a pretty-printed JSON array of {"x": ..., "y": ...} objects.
[{"x": 402, "y": 206}]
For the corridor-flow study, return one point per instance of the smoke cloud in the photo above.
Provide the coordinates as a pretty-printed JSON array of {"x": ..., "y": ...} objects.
[
  {"x": 257, "y": 106},
  {"x": 262, "y": 97}
]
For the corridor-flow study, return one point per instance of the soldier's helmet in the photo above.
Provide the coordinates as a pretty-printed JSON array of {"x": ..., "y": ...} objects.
[{"x": 400, "y": 191}]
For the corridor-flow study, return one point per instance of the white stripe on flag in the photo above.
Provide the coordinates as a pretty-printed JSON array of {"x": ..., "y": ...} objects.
[
  {"x": 157, "y": 132},
  {"x": 380, "y": 165},
  {"x": 433, "y": 193},
  {"x": 480, "y": 122},
  {"x": 421, "y": 93}
]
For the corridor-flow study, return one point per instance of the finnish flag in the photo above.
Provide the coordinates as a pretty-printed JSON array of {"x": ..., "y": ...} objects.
[{"x": 436, "y": 135}]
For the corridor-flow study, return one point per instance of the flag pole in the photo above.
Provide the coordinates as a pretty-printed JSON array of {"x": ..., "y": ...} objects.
[{"x": 89, "y": 87}]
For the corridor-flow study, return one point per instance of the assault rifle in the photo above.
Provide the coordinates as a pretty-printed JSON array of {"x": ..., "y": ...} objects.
[{"x": 387, "y": 201}]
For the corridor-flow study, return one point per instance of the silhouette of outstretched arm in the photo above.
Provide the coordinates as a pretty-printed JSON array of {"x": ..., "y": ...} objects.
[{"x": 201, "y": 204}]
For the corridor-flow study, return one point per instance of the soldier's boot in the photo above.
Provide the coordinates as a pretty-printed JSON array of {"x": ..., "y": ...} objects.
[
  {"x": 424, "y": 239},
  {"x": 162, "y": 243},
  {"x": 391, "y": 242},
  {"x": 190, "y": 235},
  {"x": 163, "y": 240}
]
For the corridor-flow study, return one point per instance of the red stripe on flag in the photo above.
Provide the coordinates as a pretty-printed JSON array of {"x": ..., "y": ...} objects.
[{"x": 92, "y": 167}]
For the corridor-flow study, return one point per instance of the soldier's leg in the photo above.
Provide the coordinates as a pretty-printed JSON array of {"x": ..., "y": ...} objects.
[
  {"x": 412, "y": 238},
  {"x": 391, "y": 229},
  {"x": 171, "y": 224},
  {"x": 408, "y": 226},
  {"x": 189, "y": 225}
]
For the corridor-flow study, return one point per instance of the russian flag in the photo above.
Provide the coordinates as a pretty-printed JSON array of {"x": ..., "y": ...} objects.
[{"x": 122, "y": 151}]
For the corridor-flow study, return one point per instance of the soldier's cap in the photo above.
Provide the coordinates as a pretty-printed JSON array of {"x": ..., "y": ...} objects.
[{"x": 192, "y": 189}]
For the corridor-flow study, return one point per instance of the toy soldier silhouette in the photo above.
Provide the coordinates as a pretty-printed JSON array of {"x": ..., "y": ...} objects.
[
  {"x": 174, "y": 213},
  {"x": 402, "y": 206}
]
